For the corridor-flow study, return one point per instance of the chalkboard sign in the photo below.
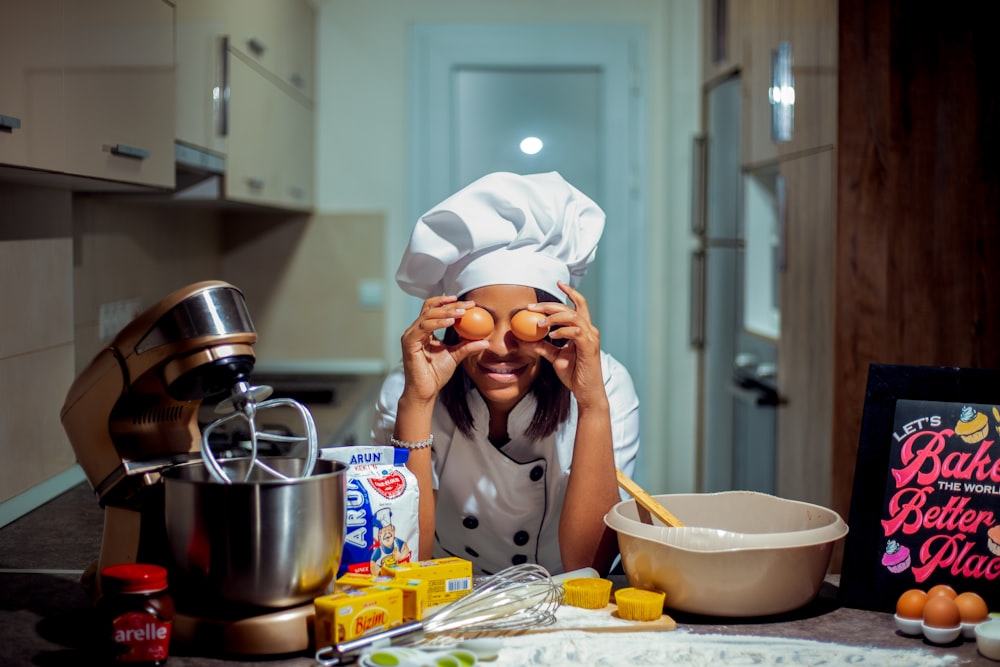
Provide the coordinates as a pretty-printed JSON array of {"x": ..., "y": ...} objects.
[{"x": 925, "y": 507}]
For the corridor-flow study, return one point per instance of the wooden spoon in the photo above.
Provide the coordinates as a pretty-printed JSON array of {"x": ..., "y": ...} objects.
[{"x": 647, "y": 502}]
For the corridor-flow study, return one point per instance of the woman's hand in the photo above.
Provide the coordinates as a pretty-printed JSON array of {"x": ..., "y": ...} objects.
[
  {"x": 428, "y": 363},
  {"x": 578, "y": 362},
  {"x": 592, "y": 488}
]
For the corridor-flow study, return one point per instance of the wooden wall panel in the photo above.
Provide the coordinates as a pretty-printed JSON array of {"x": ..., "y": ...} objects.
[
  {"x": 805, "y": 350},
  {"x": 918, "y": 206}
]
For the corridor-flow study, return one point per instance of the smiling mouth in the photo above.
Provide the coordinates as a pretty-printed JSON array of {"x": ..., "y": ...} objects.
[{"x": 502, "y": 370}]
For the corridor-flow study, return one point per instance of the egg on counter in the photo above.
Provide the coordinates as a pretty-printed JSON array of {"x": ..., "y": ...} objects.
[
  {"x": 911, "y": 604},
  {"x": 475, "y": 324},
  {"x": 971, "y": 607},
  {"x": 941, "y": 589},
  {"x": 940, "y": 611},
  {"x": 910, "y": 611},
  {"x": 942, "y": 623},
  {"x": 973, "y": 611}
]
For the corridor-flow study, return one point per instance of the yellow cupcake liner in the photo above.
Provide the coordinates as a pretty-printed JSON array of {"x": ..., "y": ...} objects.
[
  {"x": 587, "y": 593},
  {"x": 637, "y": 604}
]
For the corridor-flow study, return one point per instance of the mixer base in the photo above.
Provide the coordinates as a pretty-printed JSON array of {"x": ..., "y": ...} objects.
[{"x": 272, "y": 633}]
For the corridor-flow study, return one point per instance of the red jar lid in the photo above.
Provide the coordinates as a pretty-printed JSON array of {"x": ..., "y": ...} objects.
[{"x": 135, "y": 577}]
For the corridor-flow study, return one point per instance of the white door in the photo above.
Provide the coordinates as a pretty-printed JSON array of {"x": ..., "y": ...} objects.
[
  {"x": 479, "y": 90},
  {"x": 498, "y": 110}
]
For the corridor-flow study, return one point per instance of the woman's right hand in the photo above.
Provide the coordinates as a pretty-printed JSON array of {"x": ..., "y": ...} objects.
[{"x": 428, "y": 363}]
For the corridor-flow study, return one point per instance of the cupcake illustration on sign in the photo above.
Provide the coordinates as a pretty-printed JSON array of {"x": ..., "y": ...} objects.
[
  {"x": 897, "y": 557},
  {"x": 993, "y": 540},
  {"x": 972, "y": 425}
]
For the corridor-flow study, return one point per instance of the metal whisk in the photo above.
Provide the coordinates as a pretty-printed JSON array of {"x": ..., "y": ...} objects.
[
  {"x": 244, "y": 403},
  {"x": 516, "y": 598}
]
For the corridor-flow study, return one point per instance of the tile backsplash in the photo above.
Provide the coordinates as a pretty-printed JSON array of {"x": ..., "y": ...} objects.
[
  {"x": 302, "y": 279},
  {"x": 63, "y": 256}
]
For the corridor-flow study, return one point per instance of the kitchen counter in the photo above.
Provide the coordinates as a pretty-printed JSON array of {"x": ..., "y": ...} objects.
[{"x": 46, "y": 617}]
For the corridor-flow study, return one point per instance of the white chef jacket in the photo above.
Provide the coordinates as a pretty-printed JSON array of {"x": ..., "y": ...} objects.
[{"x": 500, "y": 506}]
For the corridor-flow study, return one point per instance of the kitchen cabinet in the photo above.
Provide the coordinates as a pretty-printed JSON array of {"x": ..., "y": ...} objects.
[
  {"x": 87, "y": 89},
  {"x": 809, "y": 29},
  {"x": 119, "y": 85},
  {"x": 805, "y": 346},
  {"x": 788, "y": 220},
  {"x": 30, "y": 84},
  {"x": 722, "y": 43},
  {"x": 275, "y": 168},
  {"x": 245, "y": 95},
  {"x": 278, "y": 37}
]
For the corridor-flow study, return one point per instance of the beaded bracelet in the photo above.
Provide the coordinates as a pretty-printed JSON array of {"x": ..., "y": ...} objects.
[{"x": 413, "y": 445}]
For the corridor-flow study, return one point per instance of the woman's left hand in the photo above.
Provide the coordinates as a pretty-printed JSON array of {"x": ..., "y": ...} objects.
[{"x": 578, "y": 362}]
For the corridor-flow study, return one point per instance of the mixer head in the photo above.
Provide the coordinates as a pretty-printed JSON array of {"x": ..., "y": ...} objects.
[{"x": 134, "y": 409}]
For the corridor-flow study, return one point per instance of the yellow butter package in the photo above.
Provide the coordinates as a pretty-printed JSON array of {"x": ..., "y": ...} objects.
[
  {"x": 416, "y": 595},
  {"x": 448, "y": 579},
  {"x": 353, "y": 580},
  {"x": 415, "y": 591},
  {"x": 352, "y": 612}
]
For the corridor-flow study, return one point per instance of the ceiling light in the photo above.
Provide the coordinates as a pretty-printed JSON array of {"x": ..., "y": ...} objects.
[{"x": 531, "y": 145}]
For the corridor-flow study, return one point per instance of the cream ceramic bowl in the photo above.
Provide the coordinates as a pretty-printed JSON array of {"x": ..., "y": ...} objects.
[
  {"x": 740, "y": 553},
  {"x": 988, "y": 638}
]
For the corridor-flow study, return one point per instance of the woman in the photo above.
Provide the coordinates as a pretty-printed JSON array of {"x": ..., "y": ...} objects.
[{"x": 514, "y": 443}]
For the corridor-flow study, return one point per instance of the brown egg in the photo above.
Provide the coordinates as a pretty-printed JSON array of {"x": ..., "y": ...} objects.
[
  {"x": 971, "y": 607},
  {"x": 941, "y": 589},
  {"x": 476, "y": 324},
  {"x": 524, "y": 324},
  {"x": 911, "y": 604},
  {"x": 940, "y": 611}
]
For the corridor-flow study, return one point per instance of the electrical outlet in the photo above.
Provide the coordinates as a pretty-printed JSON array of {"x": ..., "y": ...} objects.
[
  {"x": 113, "y": 316},
  {"x": 370, "y": 294}
]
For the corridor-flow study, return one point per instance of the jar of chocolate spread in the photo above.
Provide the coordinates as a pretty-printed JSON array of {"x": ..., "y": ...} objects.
[{"x": 138, "y": 613}]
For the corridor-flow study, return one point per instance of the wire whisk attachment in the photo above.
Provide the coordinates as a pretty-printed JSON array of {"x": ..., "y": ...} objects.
[
  {"x": 519, "y": 597},
  {"x": 244, "y": 403}
]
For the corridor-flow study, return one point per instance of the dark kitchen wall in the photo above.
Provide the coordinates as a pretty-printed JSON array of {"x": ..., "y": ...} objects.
[{"x": 918, "y": 207}]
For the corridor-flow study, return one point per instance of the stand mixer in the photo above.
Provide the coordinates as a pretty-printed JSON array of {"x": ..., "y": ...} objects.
[{"x": 132, "y": 418}]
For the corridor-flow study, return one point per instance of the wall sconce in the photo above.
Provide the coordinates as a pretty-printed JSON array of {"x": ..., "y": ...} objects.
[{"x": 782, "y": 94}]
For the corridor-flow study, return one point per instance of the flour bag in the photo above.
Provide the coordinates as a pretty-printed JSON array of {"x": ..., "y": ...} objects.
[{"x": 381, "y": 521}]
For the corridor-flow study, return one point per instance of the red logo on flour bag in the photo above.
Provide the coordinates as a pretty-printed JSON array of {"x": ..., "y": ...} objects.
[
  {"x": 391, "y": 486},
  {"x": 381, "y": 514}
]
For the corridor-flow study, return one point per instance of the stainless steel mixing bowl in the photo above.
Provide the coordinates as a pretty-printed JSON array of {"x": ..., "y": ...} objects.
[{"x": 265, "y": 542}]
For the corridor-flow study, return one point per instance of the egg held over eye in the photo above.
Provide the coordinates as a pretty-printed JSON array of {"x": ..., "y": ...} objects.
[
  {"x": 475, "y": 324},
  {"x": 525, "y": 326}
]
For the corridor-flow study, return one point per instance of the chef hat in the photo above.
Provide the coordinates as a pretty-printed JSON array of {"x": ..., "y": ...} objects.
[
  {"x": 383, "y": 518},
  {"x": 504, "y": 228}
]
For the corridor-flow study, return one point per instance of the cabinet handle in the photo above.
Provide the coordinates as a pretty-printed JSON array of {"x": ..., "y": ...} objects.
[
  {"x": 256, "y": 46},
  {"x": 699, "y": 176},
  {"x": 9, "y": 123},
  {"x": 255, "y": 184},
  {"x": 781, "y": 194},
  {"x": 220, "y": 103},
  {"x": 297, "y": 80},
  {"x": 297, "y": 192},
  {"x": 130, "y": 152},
  {"x": 696, "y": 326}
]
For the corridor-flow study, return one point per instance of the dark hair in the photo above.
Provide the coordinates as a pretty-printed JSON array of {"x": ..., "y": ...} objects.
[{"x": 551, "y": 395}]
